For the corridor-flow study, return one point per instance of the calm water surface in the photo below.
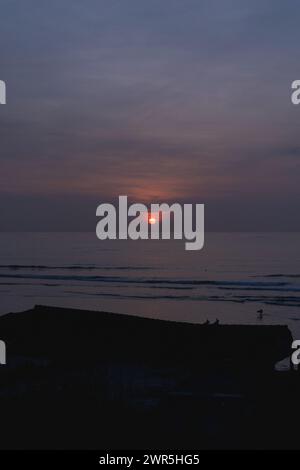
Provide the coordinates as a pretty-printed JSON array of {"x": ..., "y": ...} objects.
[{"x": 230, "y": 279}]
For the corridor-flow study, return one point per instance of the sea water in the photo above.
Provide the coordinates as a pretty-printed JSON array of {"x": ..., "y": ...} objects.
[{"x": 232, "y": 277}]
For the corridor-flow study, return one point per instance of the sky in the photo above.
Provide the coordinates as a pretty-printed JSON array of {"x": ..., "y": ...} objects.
[{"x": 163, "y": 101}]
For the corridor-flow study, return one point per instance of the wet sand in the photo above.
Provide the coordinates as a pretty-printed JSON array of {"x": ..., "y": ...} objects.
[{"x": 83, "y": 379}]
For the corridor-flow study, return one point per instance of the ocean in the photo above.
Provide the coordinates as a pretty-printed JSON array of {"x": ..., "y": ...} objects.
[{"x": 234, "y": 275}]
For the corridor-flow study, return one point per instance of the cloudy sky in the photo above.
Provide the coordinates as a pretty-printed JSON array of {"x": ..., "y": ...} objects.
[{"x": 161, "y": 100}]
